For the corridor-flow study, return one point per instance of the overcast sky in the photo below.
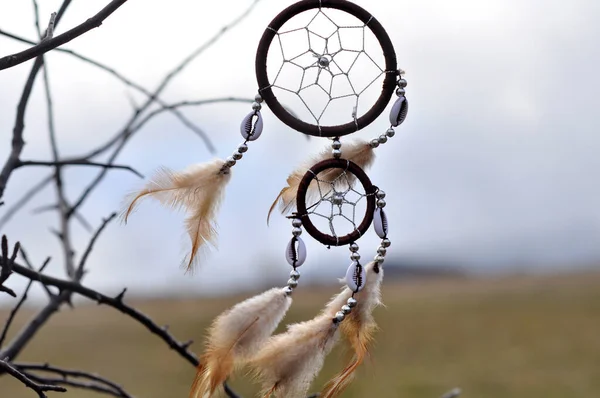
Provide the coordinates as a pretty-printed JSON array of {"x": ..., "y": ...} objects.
[{"x": 496, "y": 166}]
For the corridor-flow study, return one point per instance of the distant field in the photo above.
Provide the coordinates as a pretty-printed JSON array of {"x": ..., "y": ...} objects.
[{"x": 517, "y": 337}]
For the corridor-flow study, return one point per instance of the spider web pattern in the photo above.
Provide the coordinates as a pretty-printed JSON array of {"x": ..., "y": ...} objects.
[
  {"x": 324, "y": 62},
  {"x": 337, "y": 203}
]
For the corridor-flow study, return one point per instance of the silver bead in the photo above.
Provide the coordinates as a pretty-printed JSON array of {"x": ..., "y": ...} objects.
[
  {"x": 402, "y": 83},
  {"x": 336, "y": 153},
  {"x": 230, "y": 162},
  {"x": 296, "y": 231},
  {"x": 296, "y": 222},
  {"x": 390, "y": 132},
  {"x": 381, "y": 203},
  {"x": 379, "y": 259},
  {"x": 237, "y": 156},
  {"x": 339, "y": 316},
  {"x": 352, "y": 302},
  {"x": 288, "y": 290},
  {"x": 355, "y": 256},
  {"x": 242, "y": 148},
  {"x": 380, "y": 194},
  {"x": 382, "y": 139},
  {"x": 295, "y": 274},
  {"x": 353, "y": 247},
  {"x": 258, "y": 98},
  {"x": 337, "y": 199},
  {"x": 292, "y": 283},
  {"x": 386, "y": 242},
  {"x": 256, "y": 106},
  {"x": 400, "y": 91},
  {"x": 381, "y": 250},
  {"x": 374, "y": 143},
  {"x": 346, "y": 309},
  {"x": 336, "y": 144}
]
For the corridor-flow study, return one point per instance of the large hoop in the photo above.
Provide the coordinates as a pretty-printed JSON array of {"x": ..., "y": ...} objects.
[{"x": 389, "y": 82}]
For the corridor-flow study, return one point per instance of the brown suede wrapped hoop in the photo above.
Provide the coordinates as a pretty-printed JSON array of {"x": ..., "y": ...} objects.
[
  {"x": 302, "y": 211},
  {"x": 389, "y": 82}
]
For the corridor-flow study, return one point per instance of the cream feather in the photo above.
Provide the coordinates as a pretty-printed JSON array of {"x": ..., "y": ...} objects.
[
  {"x": 199, "y": 190},
  {"x": 358, "y": 327},
  {"x": 289, "y": 362},
  {"x": 358, "y": 151},
  {"x": 236, "y": 335}
]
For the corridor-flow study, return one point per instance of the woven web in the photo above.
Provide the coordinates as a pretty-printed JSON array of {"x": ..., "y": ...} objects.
[
  {"x": 324, "y": 70},
  {"x": 336, "y": 203}
]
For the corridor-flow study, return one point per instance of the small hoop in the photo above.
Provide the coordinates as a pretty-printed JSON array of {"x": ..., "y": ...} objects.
[
  {"x": 389, "y": 82},
  {"x": 302, "y": 210}
]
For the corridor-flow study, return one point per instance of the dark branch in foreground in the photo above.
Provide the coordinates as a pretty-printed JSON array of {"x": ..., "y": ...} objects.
[
  {"x": 47, "y": 45},
  {"x": 70, "y": 378},
  {"x": 40, "y": 389},
  {"x": 114, "y": 302}
]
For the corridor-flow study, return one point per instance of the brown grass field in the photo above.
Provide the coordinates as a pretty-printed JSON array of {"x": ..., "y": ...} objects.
[{"x": 510, "y": 337}]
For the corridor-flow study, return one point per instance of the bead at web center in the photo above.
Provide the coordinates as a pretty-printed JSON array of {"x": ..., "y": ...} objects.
[{"x": 324, "y": 61}]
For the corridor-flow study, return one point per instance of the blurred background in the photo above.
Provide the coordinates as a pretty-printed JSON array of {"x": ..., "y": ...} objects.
[{"x": 492, "y": 279}]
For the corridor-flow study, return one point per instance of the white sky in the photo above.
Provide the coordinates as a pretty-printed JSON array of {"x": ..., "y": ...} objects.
[{"x": 496, "y": 165}]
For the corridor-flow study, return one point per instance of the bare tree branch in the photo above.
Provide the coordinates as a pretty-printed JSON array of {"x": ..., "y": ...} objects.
[
  {"x": 47, "y": 45},
  {"x": 114, "y": 302},
  {"x": 77, "y": 162},
  {"x": 81, "y": 267},
  {"x": 182, "y": 118},
  {"x": 7, "y": 265},
  {"x": 17, "y": 141},
  {"x": 40, "y": 389},
  {"x": 98, "y": 383},
  {"x": 30, "y": 266}
]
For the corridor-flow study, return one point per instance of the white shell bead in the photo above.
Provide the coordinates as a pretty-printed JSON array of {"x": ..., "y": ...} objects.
[
  {"x": 356, "y": 276},
  {"x": 250, "y": 132},
  {"x": 381, "y": 223},
  {"x": 399, "y": 111},
  {"x": 295, "y": 252}
]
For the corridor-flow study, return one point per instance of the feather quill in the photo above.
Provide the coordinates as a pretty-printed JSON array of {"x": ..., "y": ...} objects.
[
  {"x": 358, "y": 151},
  {"x": 199, "y": 190},
  {"x": 359, "y": 328},
  {"x": 235, "y": 336},
  {"x": 289, "y": 362}
]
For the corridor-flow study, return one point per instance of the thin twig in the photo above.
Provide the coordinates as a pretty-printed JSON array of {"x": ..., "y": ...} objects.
[
  {"x": 30, "y": 266},
  {"x": 77, "y": 162},
  {"x": 109, "y": 386},
  {"x": 17, "y": 307},
  {"x": 22, "y": 201},
  {"x": 88, "y": 250},
  {"x": 40, "y": 389},
  {"x": 47, "y": 45},
  {"x": 7, "y": 263}
]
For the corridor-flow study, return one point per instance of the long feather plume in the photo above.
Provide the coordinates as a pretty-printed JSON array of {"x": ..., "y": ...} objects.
[
  {"x": 199, "y": 190},
  {"x": 236, "y": 335},
  {"x": 289, "y": 362},
  {"x": 358, "y": 151},
  {"x": 358, "y": 327}
]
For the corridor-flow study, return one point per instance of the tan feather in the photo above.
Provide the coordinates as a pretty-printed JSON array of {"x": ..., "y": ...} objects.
[
  {"x": 358, "y": 327},
  {"x": 289, "y": 362},
  {"x": 236, "y": 335},
  {"x": 199, "y": 190},
  {"x": 358, "y": 151}
]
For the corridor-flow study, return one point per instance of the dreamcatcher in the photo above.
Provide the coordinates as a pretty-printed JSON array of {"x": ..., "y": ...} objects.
[{"x": 334, "y": 66}]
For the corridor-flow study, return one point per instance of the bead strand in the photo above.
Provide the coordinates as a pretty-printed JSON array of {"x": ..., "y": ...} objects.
[{"x": 249, "y": 131}]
